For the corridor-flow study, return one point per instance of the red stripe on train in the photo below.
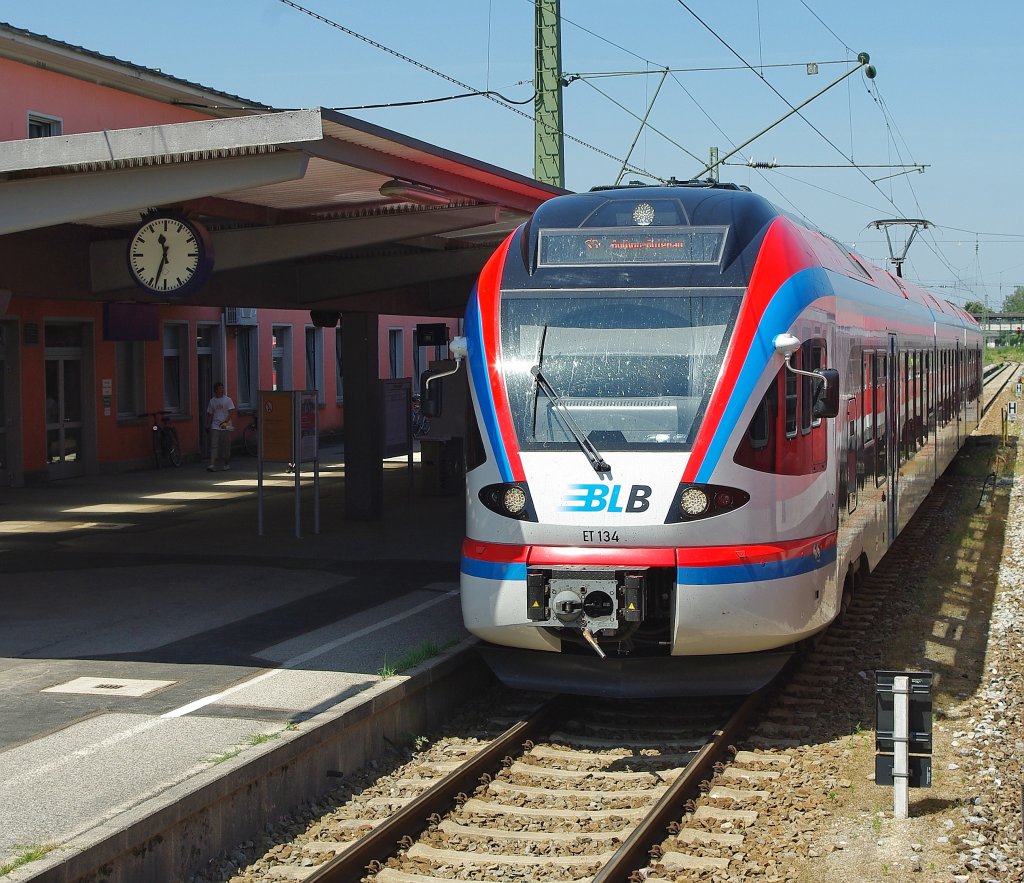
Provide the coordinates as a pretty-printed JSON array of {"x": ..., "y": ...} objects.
[{"x": 635, "y": 556}]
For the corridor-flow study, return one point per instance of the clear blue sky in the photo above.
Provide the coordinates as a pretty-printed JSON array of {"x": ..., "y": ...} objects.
[{"x": 949, "y": 94}]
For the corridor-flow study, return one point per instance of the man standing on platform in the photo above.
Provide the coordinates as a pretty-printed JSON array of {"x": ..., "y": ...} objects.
[{"x": 218, "y": 419}]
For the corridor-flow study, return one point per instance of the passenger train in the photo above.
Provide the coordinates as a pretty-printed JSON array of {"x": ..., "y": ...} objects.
[{"x": 698, "y": 424}]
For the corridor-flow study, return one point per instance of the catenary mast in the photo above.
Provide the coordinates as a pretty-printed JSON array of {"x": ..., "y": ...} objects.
[{"x": 548, "y": 163}]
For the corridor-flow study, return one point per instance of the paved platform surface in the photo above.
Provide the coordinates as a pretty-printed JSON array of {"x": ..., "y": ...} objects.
[{"x": 147, "y": 631}]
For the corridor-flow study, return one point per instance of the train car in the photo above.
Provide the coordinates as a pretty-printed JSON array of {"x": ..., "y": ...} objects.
[{"x": 699, "y": 423}]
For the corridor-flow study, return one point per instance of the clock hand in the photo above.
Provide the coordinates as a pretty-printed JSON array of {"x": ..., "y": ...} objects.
[{"x": 163, "y": 258}]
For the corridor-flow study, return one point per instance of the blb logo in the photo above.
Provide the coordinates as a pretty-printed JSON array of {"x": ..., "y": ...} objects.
[{"x": 606, "y": 498}]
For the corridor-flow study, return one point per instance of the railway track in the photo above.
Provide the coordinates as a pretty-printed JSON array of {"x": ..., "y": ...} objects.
[
  {"x": 995, "y": 381},
  {"x": 575, "y": 790}
]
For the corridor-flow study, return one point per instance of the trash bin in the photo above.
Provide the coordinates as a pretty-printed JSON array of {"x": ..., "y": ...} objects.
[{"x": 442, "y": 467}]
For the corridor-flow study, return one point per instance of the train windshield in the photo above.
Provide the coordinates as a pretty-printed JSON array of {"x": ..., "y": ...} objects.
[{"x": 633, "y": 370}]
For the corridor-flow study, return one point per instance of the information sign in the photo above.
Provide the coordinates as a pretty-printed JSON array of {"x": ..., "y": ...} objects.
[{"x": 277, "y": 426}]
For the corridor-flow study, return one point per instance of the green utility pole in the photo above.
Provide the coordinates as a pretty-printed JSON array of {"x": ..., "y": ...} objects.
[{"x": 548, "y": 163}]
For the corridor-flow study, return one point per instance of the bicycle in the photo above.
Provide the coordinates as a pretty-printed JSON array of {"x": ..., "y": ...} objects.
[
  {"x": 420, "y": 421},
  {"x": 165, "y": 439}
]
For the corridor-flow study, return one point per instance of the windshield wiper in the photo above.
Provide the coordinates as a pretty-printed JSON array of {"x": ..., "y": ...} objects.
[{"x": 564, "y": 415}]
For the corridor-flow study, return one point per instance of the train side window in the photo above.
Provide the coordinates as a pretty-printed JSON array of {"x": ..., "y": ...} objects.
[
  {"x": 880, "y": 372},
  {"x": 792, "y": 385},
  {"x": 922, "y": 385},
  {"x": 926, "y": 395},
  {"x": 945, "y": 387},
  {"x": 940, "y": 389},
  {"x": 867, "y": 420},
  {"x": 812, "y": 357},
  {"x": 806, "y": 389},
  {"x": 853, "y": 480},
  {"x": 904, "y": 429}
]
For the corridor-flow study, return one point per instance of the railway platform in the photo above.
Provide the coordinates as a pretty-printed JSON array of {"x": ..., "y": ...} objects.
[{"x": 150, "y": 636}]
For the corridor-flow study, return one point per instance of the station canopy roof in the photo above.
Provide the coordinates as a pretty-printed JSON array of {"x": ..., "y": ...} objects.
[{"x": 307, "y": 209}]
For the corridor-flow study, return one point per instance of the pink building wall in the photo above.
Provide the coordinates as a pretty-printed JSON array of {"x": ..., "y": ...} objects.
[{"x": 82, "y": 106}]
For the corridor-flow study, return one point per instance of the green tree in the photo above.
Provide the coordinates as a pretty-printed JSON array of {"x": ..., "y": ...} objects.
[
  {"x": 975, "y": 308},
  {"x": 1014, "y": 303}
]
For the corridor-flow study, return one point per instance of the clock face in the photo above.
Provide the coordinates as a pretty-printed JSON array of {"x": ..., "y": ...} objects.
[{"x": 169, "y": 255}]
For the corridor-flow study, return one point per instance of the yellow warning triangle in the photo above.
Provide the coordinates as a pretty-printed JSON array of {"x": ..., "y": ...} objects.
[
  {"x": 631, "y": 606},
  {"x": 535, "y": 604}
]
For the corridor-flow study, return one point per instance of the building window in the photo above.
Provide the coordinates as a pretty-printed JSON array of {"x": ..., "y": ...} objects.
[
  {"x": 247, "y": 365},
  {"x": 42, "y": 126},
  {"x": 130, "y": 384},
  {"x": 339, "y": 386},
  {"x": 176, "y": 368},
  {"x": 396, "y": 353},
  {"x": 281, "y": 355},
  {"x": 315, "y": 362},
  {"x": 418, "y": 361}
]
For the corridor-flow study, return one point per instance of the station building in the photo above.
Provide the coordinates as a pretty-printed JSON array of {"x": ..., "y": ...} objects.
[{"x": 329, "y": 240}]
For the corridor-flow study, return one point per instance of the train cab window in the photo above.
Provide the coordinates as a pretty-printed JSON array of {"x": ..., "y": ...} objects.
[
  {"x": 759, "y": 431},
  {"x": 633, "y": 368}
]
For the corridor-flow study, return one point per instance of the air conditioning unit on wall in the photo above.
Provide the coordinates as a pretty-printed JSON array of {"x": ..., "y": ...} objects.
[{"x": 240, "y": 316}]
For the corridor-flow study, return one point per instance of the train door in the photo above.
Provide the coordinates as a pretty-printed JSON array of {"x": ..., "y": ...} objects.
[{"x": 892, "y": 435}]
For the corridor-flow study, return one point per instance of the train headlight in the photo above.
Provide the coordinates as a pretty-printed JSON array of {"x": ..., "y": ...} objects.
[
  {"x": 510, "y": 499},
  {"x": 693, "y": 502},
  {"x": 696, "y": 501},
  {"x": 514, "y": 500}
]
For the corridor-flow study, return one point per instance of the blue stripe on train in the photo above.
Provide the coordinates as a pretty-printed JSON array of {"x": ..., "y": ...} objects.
[
  {"x": 503, "y": 570},
  {"x": 754, "y": 572},
  {"x": 689, "y": 576}
]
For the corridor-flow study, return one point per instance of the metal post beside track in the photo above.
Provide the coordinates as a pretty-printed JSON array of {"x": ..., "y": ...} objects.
[
  {"x": 901, "y": 751},
  {"x": 903, "y": 734}
]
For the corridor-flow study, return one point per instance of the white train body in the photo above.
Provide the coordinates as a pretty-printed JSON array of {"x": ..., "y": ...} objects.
[{"x": 655, "y": 505}]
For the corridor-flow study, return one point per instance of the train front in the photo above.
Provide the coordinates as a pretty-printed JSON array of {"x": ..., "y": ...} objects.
[{"x": 606, "y": 522}]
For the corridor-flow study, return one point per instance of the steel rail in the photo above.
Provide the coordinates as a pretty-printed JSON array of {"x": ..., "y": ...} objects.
[
  {"x": 636, "y": 849},
  {"x": 385, "y": 840}
]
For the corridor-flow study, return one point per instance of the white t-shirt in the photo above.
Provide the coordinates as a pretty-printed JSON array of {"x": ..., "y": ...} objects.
[{"x": 220, "y": 409}]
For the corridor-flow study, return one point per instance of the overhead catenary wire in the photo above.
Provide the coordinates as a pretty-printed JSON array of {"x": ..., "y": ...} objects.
[
  {"x": 888, "y": 197},
  {"x": 764, "y": 79},
  {"x": 488, "y": 95}
]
